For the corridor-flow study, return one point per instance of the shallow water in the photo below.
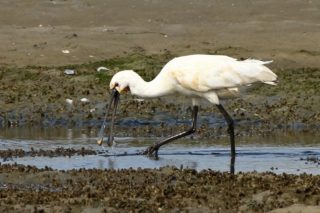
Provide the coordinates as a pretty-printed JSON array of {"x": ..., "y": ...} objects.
[{"x": 285, "y": 152}]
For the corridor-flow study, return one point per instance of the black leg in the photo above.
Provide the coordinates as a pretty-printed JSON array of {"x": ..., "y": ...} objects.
[
  {"x": 230, "y": 129},
  {"x": 155, "y": 147}
]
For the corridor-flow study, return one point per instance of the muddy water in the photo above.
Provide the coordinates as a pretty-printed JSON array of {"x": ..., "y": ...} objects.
[{"x": 283, "y": 152}]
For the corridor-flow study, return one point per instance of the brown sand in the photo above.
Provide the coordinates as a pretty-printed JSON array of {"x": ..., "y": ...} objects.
[{"x": 35, "y": 32}]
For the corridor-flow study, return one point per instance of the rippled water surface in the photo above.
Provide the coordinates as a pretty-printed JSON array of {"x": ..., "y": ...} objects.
[{"x": 285, "y": 152}]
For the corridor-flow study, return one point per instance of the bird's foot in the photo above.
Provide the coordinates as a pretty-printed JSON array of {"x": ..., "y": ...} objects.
[{"x": 151, "y": 151}]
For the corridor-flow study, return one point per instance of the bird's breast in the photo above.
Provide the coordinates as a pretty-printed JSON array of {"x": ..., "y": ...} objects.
[{"x": 227, "y": 93}]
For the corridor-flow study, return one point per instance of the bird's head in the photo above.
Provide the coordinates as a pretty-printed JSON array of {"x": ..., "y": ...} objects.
[
  {"x": 121, "y": 80},
  {"x": 119, "y": 83}
]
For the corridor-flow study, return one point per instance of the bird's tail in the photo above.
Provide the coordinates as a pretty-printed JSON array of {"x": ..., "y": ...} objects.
[
  {"x": 260, "y": 72},
  {"x": 274, "y": 83},
  {"x": 258, "y": 61}
]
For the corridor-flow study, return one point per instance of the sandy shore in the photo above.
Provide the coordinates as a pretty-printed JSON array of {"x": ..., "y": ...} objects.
[{"x": 284, "y": 31}]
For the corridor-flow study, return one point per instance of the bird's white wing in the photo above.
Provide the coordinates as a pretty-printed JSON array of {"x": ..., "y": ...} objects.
[{"x": 204, "y": 73}]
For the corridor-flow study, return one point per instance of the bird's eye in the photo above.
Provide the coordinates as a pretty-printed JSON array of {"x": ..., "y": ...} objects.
[{"x": 116, "y": 85}]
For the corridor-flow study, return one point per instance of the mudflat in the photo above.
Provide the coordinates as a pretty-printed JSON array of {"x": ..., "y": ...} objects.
[
  {"x": 39, "y": 40},
  {"x": 154, "y": 190}
]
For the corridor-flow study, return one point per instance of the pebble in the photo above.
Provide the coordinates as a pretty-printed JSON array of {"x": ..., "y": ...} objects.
[{"x": 69, "y": 72}]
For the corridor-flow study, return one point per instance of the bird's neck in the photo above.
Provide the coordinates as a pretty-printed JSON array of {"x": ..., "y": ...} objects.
[{"x": 155, "y": 88}]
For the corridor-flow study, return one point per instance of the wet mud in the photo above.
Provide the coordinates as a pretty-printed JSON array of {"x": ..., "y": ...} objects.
[
  {"x": 26, "y": 188},
  {"x": 66, "y": 152}
]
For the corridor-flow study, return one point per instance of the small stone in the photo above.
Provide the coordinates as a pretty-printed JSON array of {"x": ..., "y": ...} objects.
[{"x": 69, "y": 72}]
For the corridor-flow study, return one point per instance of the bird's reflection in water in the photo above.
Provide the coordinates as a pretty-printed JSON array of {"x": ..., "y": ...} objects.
[
  {"x": 111, "y": 163},
  {"x": 232, "y": 163},
  {"x": 162, "y": 161}
]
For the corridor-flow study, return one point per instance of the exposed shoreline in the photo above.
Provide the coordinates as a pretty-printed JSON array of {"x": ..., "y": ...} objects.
[
  {"x": 39, "y": 42},
  {"x": 167, "y": 189}
]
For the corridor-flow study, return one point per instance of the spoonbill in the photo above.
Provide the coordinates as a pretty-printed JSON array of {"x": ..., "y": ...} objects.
[{"x": 196, "y": 77}]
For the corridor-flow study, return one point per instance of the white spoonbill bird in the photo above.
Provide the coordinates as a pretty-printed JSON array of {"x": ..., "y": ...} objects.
[{"x": 196, "y": 77}]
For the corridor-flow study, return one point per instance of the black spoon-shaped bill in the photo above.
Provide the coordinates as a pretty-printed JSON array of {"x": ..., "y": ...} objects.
[
  {"x": 115, "y": 96},
  {"x": 115, "y": 106}
]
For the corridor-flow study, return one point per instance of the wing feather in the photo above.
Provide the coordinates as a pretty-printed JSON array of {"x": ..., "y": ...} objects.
[{"x": 203, "y": 73}]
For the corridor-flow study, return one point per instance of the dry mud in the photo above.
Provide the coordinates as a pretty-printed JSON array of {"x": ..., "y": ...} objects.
[{"x": 36, "y": 33}]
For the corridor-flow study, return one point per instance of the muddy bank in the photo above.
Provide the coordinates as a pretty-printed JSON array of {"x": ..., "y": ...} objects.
[
  {"x": 167, "y": 189},
  {"x": 36, "y": 96}
]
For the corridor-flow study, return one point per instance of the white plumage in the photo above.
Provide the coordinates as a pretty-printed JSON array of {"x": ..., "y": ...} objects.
[{"x": 195, "y": 76}]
